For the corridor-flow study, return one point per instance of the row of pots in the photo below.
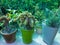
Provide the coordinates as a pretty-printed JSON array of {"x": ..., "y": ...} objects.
[
  {"x": 26, "y": 36},
  {"x": 48, "y": 33}
]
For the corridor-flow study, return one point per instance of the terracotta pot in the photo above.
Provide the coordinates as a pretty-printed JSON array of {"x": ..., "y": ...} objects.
[{"x": 9, "y": 38}]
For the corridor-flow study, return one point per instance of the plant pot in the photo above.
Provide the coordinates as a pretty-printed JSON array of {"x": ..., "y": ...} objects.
[
  {"x": 9, "y": 38},
  {"x": 48, "y": 33},
  {"x": 27, "y": 36}
]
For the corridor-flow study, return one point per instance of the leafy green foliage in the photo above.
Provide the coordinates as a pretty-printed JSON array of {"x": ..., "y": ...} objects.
[
  {"x": 29, "y": 5},
  {"x": 39, "y": 15},
  {"x": 53, "y": 21},
  {"x": 27, "y": 20},
  {"x": 8, "y": 26},
  {"x": 41, "y": 9}
]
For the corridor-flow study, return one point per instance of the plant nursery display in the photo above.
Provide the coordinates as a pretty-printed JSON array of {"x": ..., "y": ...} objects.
[{"x": 29, "y": 19}]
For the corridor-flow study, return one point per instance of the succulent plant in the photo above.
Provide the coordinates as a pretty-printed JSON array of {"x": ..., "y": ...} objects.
[{"x": 27, "y": 20}]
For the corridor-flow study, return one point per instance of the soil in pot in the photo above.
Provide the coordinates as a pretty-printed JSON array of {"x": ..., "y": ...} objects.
[{"x": 9, "y": 34}]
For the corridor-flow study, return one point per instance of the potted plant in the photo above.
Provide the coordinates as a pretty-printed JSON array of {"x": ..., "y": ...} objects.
[
  {"x": 9, "y": 30},
  {"x": 39, "y": 15},
  {"x": 27, "y": 22},
  {"x": 50, "y": 28},
  {"x": 38, "y": 27}
]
